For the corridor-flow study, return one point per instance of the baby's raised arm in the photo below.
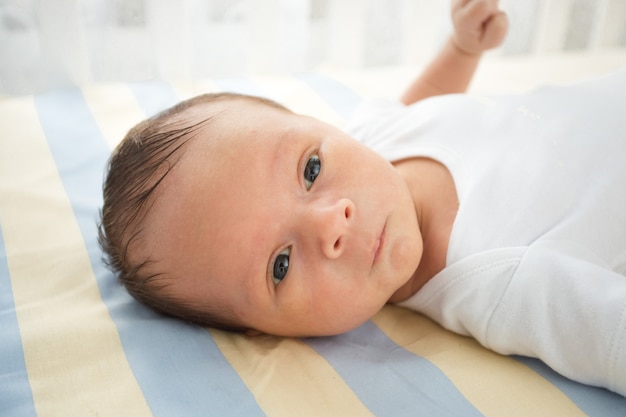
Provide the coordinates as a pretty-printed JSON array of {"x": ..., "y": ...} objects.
[{"x": 479, "y": 25}]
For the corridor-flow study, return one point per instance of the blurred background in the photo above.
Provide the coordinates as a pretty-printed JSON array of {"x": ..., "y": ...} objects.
[{"x": 47, "y": 44}]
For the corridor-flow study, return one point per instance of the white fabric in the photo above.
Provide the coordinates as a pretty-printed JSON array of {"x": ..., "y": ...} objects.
[{"x": 537, "y": 257}]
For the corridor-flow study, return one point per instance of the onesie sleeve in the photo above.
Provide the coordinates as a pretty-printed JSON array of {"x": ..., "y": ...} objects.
[{"x": 567, "y": 307}]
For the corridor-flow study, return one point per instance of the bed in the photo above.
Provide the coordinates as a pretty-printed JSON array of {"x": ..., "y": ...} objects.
[{"x": 74, "y": 343}]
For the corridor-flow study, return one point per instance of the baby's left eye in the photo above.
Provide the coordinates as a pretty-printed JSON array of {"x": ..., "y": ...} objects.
[{"x": 312, "y": 170}]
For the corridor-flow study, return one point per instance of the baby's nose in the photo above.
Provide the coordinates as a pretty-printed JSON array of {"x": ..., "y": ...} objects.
[{"x": 331, "y": 225}]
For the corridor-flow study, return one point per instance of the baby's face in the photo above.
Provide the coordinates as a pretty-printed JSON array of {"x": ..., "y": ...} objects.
[{"x": 291, "y": 225}]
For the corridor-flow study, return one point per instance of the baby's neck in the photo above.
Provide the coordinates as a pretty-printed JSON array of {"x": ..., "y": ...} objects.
[{"x": 436, "y": 205}]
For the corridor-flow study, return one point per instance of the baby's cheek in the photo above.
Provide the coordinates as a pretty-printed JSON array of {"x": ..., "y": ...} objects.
[{"x": 405, "y": 254}]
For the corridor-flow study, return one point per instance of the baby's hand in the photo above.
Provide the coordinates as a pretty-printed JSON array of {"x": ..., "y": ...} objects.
[{"x": 478, "y": 25}]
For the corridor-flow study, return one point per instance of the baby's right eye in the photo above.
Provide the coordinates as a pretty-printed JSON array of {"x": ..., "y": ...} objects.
[{"x": 281, "y": 266}]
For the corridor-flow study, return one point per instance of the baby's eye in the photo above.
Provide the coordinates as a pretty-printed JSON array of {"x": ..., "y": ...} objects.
[
  {"x": 281, "y": 265},
  {"x": 311, "y": 171}
]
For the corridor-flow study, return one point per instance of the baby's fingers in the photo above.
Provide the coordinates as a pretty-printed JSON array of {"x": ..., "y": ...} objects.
[
  {"x": 474, "y": 13},
  {"x": 495, "y": 30}
]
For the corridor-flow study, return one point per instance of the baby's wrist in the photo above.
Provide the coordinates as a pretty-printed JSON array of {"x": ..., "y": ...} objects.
[{"x": 461, "y": 50}]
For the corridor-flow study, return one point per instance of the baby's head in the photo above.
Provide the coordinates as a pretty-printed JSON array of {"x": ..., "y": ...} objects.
[{"x": 231, "y": 211}]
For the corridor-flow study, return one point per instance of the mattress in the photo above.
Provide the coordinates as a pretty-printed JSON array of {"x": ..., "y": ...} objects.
[{"x": 74, "y": 343}]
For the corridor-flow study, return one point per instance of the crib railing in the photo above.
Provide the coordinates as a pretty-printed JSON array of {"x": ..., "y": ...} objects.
[{"x": 45, "y": 43}]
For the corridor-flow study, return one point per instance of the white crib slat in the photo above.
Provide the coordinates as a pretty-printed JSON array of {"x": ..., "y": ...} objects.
[
  {"x": 426, "y": 24},
  {"x": 168, "y": 23},
  {"x": 347, "y": 19},
  {"x": 599, "y": 29},
  {"x": 263, "y": 21},
  {"x": 278, "y": 33},
  {"x": 296, "y": 29},
  {"x": 552, "y": 25},
  {"x": 63, "y": 45},
  {"x": 20, "y": 55},
  {"x": 609, "y": 23}
]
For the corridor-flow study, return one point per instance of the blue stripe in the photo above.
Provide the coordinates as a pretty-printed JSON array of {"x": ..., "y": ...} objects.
[
  {"x": 341, "y": 98},
  {"x": 595, "y": 402},
  {"x": 388, "y": 379},
  {"x": 178, "y": 366},
  {"x": 16, "y": 396}
]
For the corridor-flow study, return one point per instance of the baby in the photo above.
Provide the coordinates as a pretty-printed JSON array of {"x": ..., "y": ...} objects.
[{"x": 231, "y": 211}]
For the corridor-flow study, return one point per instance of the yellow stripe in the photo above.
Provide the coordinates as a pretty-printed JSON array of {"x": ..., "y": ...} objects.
[
  {"x": 287, "y": 377},
  {"x": 496, "y": 385},
  {"x": 115, "y": 109},
  {"x": 75, "y": 361},
  {"x": 299, "y": 97}
]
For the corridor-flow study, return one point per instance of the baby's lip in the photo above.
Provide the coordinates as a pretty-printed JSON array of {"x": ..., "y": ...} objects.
[{"x": 378, "y": 245}]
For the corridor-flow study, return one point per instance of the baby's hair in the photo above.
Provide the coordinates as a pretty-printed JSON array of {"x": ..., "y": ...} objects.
[{"x": 136, "y": 168}]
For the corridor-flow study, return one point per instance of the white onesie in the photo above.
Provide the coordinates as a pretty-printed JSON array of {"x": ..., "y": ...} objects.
[{"x": 536, "y": 263}]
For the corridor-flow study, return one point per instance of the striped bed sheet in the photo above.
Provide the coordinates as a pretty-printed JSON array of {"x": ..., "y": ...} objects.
[{"x": 73, "y": 342}]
